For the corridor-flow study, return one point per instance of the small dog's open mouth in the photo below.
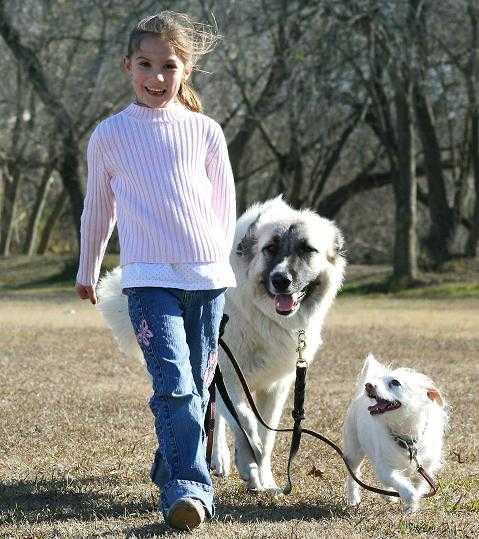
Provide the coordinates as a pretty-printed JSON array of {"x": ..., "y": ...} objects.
[{"x": 382, "y": 405}]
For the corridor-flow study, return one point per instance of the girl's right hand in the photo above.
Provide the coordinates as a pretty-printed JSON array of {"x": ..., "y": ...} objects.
[{"x": 86, "y": 292}]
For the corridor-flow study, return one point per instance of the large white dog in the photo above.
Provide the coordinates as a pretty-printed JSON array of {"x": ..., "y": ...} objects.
[{"x": 289, "y": 267}]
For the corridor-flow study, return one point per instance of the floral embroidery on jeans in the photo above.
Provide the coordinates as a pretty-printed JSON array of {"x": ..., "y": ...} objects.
[
  {"x": 145, "y": 334},
  {"x": 211, "y": 367}
]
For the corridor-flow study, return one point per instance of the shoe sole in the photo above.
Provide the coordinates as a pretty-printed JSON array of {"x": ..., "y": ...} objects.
[{"x": 184, "y": 517}]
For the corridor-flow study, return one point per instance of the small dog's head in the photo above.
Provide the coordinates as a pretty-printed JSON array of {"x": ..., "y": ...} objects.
[{"x": 399, "y": 396}]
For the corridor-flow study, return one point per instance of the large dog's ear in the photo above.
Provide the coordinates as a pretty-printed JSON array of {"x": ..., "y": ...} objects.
[
  {"x": 337, "y": 247},
  {"x": 245, "y": 247}
]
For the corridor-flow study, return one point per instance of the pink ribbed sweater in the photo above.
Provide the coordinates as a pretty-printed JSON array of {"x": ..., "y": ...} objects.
[{"x": 164, "y": 175}]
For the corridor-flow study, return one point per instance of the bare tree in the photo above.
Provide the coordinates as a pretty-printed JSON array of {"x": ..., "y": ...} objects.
[{"x": 73, "y": 115}]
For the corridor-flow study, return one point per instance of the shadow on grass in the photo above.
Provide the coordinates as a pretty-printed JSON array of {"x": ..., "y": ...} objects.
[
  {"x": 94, "y": 498},
  {"x": 64, "y": 499},
  {"x": 253, "y": 513},
  {"x": 250, "y": 514},
  {"x": 65, "y": 276},
  {"x": 61, "y": 272}
]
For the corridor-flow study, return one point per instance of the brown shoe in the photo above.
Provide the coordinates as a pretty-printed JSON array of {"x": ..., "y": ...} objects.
[{"x": 186, "y": 514}]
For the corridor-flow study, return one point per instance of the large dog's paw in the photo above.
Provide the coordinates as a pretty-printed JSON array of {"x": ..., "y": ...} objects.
[
  {"x": 220, "y": 463},
  {"x": 253, "y": 482},
  {"x": 267, "y": 480},
  {"x": 220, "y": 460},
  {"x": 261, "y": 481}
]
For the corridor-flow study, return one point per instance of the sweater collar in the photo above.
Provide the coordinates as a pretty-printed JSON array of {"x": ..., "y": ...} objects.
[{"x": 172, "y": 113}]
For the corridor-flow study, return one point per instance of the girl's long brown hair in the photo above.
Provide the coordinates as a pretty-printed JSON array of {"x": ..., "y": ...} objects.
[{"x": 190, "y": 40}]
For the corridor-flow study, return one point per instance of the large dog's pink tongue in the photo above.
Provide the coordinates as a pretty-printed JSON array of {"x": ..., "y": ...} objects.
[{"x": 284, "y": 302}]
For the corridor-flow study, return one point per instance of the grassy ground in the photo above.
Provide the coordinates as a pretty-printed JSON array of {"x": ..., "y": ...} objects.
[{"x": 76, "y": 433}]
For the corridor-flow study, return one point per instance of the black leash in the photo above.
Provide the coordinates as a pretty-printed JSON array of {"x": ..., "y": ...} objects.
[
  {"x": 298, "y": 416},
  {"x": 218, "y": 383}
]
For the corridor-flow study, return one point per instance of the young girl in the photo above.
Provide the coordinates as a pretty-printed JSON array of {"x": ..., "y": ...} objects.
[{"x": 161, "y": 169}]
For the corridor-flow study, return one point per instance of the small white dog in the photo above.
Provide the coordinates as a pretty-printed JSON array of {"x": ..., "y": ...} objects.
[{"x": 391, "y": 411}]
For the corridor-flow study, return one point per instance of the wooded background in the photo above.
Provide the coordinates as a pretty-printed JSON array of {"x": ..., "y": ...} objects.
[{"x": 365, "y": 110}]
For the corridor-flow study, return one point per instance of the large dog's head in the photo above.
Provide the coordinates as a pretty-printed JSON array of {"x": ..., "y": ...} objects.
[{"x": 288, "y": 262}]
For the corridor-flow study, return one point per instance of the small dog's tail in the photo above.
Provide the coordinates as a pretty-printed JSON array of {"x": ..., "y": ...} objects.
[{"x": 113, "y": 305}]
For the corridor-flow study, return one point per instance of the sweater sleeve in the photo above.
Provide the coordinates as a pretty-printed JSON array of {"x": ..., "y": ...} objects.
[
  {"x": 218, "y": 169},
  {"x": 99, "y": 214}
]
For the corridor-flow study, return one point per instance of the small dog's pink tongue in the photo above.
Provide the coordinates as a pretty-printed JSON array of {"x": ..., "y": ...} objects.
[{"x": 284, "y": 302}]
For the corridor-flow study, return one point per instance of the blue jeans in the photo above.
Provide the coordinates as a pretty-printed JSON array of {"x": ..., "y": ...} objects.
[{"x": 177, "y": 331}]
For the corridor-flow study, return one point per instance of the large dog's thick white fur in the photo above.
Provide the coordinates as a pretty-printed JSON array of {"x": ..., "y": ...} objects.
[{"x": 289, "y": 267}]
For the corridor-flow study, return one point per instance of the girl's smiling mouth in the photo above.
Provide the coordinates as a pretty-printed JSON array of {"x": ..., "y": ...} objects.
[{"x": 152, "y": 91}]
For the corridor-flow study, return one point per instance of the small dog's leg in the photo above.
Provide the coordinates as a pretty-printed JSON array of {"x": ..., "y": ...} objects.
[
  {"x": 401, "y": 484},
  {"x": 354, "y": 455},
  {"x": 351, "y": 488},
  {"x": 220, "y": 456}
]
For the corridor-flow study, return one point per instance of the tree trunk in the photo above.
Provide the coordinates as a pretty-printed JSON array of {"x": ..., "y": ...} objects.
[
  {"x": 10, "y": 198},
  {"x": 34, "y": 221},
  {"x": 441, "y": 229},
  {"x": 405, "y": 191},
  {"x": 473, "y": 237},
  {"x": 51, "y": 221},
  {"x": 68, "y": 169},
  {"x": 472, "y": 79}
]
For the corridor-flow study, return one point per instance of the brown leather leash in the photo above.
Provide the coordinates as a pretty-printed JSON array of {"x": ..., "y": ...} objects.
[{"x": 299, "y": 415}]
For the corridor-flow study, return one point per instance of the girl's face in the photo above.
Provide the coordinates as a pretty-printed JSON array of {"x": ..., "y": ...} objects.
[{"x": 156, "y": 72}]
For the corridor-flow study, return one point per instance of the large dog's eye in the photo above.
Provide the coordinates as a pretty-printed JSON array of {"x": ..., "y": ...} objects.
[
  {"x": 305, "y": 247},
  {"x": 394, "y": 383},
  {"x": 270, "y": 249}
]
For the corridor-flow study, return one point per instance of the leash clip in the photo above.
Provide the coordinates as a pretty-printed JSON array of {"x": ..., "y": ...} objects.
[{"x": 301, "y": 345}]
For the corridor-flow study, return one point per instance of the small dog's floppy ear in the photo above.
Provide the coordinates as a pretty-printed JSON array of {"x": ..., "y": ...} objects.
[
  {"x": 338, "y": 244},
  {"x": 246, "y": 246},
  {"x": 435, "y": 396}
]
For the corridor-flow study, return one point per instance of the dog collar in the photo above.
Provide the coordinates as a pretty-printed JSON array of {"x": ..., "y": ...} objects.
[{"x": 407, "y": 443}]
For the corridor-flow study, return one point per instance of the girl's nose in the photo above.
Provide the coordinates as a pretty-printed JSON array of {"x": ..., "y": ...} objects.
[{"x": 160, "y": 77}]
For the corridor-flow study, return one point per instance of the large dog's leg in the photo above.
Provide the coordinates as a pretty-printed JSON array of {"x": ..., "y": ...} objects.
[
  {"x": 270, "y": 404},
  {"x": 220, "y": 456},
  {"x": 244, "y": 460}
]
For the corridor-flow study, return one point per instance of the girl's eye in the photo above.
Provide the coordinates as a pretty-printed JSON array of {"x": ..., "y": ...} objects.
[
  {"x": 394, "y": 383},
  {"x": 145, "y": 64},
  {"x": 171, "y": 66}
]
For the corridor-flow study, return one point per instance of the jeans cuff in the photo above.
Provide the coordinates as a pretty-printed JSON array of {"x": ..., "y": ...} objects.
[{"x": 180, "y": 488}]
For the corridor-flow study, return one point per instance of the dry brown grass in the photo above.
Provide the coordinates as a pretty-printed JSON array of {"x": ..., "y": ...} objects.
[{"x": 77, "y": 436}]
